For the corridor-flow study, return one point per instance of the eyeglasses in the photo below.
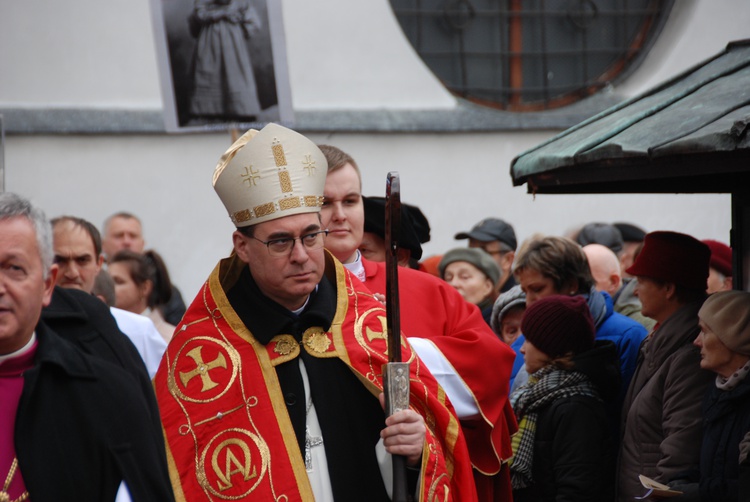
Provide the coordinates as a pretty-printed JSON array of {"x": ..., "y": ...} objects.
[{"x": 284, "y": 246}]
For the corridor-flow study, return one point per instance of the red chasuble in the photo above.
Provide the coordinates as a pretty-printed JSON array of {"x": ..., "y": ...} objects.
[
  {"x": 432, "y": 309},
  {"x": 228, "y": 432}
]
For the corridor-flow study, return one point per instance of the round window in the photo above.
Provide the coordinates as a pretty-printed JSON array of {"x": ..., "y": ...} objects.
[{"x": 534, "y": 54}]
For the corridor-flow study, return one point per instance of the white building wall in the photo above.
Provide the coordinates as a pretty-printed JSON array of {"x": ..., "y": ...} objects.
[{"x": 342, "y": 55}]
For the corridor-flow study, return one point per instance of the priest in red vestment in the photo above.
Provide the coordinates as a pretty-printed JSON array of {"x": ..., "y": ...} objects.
[{"x": 448, "y": 333}]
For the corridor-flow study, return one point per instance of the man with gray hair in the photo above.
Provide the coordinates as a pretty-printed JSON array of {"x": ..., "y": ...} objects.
[{"x": 73, "y": 426}]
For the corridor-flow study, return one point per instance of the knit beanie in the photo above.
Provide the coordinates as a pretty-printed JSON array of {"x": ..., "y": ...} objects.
[
  {"x": 558, "y": 324},
  {"x": 727, "y": 314},
  {"x": 475, "y": 256}
]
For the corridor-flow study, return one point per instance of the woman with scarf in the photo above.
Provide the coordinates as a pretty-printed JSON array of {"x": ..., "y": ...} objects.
[
  {"x": 724, "y": 341},
  {"x": 558, "y": 266},
  {"x": 564, "y": 450}
]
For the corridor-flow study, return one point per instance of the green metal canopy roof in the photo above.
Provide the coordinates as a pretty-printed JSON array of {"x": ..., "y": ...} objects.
[{"x": 689, "y": 134}]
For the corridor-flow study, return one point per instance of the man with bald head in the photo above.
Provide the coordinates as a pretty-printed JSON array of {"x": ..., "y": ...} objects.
[{"x": 605, "y": 268}]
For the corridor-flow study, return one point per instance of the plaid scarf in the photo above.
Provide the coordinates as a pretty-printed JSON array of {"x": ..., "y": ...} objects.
[{"x": 545, "y": 386}]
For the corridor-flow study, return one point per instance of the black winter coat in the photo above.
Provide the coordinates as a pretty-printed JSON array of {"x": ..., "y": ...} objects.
[
  {"x": 574, "y": 451},
  {"x": 726, "y": 420},
  {"x": 87, "y": 323},
  {"x": 82, "y": 427}
]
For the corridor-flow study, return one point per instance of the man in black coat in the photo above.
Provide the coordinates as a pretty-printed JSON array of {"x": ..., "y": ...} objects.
[{"x": 73, "y": 427}]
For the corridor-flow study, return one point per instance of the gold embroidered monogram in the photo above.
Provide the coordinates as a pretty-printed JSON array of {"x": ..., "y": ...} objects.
[{"x": 233, "y": 464}]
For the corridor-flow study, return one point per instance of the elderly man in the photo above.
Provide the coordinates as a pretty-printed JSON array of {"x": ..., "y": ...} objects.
[
  {"x": 269, "y": 388},
  {"x": 78, "y": 255},
  {"x": 605, "y": 269},
  {"x": 124, "y": 230},
  {"x": 448, "y": 333},
  {"x": 73, "y": 427},
  {"x": 662, "y": 409},
  {"x": 498, "y": 239}
]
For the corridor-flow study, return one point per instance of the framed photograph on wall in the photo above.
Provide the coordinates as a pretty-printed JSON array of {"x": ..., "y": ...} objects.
[{"x": 222, "y": 64}]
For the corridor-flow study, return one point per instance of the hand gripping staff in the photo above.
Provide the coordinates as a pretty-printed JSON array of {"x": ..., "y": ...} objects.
[{"x": 395, "y": 372}]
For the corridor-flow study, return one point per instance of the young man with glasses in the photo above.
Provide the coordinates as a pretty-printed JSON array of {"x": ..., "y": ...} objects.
[{"x": 270, "y": 388}]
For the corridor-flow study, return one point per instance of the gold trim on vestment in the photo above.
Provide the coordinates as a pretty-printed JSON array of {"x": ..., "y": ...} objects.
[{"x": 229, "y": 271}]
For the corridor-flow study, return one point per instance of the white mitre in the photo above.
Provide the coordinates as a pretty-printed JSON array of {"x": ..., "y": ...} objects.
[{"x": 270, "y": 174}]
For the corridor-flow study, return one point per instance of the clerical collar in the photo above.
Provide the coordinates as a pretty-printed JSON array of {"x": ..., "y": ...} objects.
[
  {"x": 248, "y": 301},
  {"x": 357, "y": 267},
  {"x": 302, "y": 308},
  {"x": 23, "y": 350}
]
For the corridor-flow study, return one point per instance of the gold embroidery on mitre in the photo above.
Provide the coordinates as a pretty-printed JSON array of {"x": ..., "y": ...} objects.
[
  {"x": 308, "y": 164},
  {"x": 289, "y": 203},
  {"x": 316, "y": 340},
  {"x": 313, "y": 201},
  {"x": 250, "y": 176},
  {"x": 278, "y": 153},
  {"x": 264, "y": 210},
  {"x": 285, "y": 180},
  {"x": 242, "y": 216}
]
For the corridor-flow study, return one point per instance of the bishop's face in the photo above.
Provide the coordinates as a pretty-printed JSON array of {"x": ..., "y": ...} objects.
[{"x": 287, "y": 279}]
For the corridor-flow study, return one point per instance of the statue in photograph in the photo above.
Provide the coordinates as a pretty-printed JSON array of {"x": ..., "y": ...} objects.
[{"x": 224, "y": 86}]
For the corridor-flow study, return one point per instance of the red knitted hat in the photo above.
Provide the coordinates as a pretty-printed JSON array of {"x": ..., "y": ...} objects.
[
  {"x": 721, "y": 256},
  {"x": 673, "y": 257},
  {"x": 558, "y": 324}
]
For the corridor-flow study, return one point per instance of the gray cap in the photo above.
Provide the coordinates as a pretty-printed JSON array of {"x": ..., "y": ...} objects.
[
  {"x": 491, "y": 229},
  {"x": 601, "y": 233},
  {"x": 514, "y": 297},
  {"x": 477, "y": 257}
]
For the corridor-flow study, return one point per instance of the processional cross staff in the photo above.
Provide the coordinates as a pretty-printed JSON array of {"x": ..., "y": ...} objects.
[{"x": 395, "y": 372}]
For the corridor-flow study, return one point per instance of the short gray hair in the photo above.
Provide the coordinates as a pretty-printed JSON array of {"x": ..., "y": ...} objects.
[{"x": 15, "y": 206}]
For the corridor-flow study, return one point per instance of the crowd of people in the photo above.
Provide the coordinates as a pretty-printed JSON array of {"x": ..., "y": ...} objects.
[{"x": 607, "y": 365}]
